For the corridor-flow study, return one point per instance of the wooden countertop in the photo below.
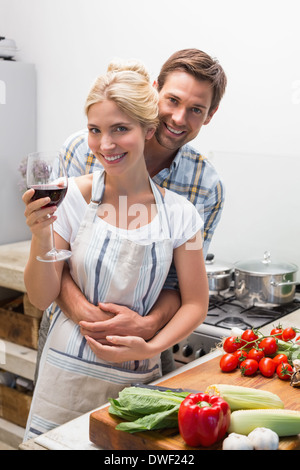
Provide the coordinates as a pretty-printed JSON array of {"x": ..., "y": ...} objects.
[
  {"x": 74, "y": 434},
  {"x": 13, "y": 258},
  {"x": 103, "y": 425}
]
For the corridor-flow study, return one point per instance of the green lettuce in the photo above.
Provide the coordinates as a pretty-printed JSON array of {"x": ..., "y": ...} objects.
[{"x": 146, "y": 409}]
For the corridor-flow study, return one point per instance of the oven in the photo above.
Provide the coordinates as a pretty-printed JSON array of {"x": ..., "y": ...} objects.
[{"x": 224, "y": 313}]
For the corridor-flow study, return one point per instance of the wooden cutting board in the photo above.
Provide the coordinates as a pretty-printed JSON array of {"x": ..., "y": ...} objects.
[{"x": 102, "y": 424}]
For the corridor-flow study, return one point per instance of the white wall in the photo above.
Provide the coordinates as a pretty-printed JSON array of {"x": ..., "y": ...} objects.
[
  {"x": 257, "y": 42},
  {"x": 262, "y": 208}
]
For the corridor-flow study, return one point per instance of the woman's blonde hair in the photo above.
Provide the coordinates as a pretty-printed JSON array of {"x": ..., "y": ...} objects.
[{"x": 128, "y": 85}]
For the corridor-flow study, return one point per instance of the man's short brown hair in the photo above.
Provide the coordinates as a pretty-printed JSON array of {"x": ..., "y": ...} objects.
[{"x": 201, "y": 66}]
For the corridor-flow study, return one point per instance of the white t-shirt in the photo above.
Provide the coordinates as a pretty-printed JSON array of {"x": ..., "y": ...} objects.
[{"x": 183, "y": 219}]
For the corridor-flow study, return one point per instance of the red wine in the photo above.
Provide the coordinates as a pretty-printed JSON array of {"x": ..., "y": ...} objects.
[{"x": 56, "y": 193}]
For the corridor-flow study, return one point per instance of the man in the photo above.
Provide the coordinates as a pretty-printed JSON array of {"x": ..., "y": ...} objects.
[{"x": 191, "y": 85}]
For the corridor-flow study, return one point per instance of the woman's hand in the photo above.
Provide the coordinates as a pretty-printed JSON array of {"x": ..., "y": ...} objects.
[
  {"x": 121, "y": 348},
  {"x": 38, "y": 217},
  {"x": 42, "y": 280}
]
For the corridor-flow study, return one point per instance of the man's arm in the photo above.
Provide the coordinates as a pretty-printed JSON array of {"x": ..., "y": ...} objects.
[
  {"x": 126, "y": 322},
  {"x": 111, "y": 319},
  {"x": 211, "y": 213},
  {"x": 74, "y": 304}
]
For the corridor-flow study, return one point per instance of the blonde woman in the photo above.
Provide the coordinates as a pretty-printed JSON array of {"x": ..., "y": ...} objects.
[{"x": 123, "y": 231}]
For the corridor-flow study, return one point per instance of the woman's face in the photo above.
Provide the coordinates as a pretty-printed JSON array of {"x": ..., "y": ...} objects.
[{"x": 116, "y": 139}]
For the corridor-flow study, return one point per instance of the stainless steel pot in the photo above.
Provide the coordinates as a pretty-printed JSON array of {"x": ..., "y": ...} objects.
[
  {"x": 261, "y": 282},
  {"x": 219, "y": 274}
]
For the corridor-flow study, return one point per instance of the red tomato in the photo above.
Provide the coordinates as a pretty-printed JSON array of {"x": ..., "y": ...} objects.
[
  {"x": 268, "y": 345},
  {"x": 284, "y": 371},
  {"x": 228, "y": 362},
  {"x": 232, "y": 344},
  {"x": 249, "y": 367},
  {"x": 267, "y": 366},
  {"x": 249, "y": 338},
  {"x": 277, "y": 331},
  {"x": 297, "y": 339},
  {"x": 288, "y": 334},
  {"x": 241, "y": 355},
  {"x": 256, "y": 354},
  {"x": 280, "y": 358}
]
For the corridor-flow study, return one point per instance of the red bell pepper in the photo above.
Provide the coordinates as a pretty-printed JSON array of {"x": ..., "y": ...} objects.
[{"x": 203, "y": 419}]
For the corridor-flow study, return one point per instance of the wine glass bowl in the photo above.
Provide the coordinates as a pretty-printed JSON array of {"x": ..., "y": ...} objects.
[{"x": 46, "y": 174}]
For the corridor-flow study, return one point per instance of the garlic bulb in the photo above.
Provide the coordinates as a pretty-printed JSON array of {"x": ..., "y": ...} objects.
[
  {"x": 237, "y": 442},
  {"x": 264, "y": 439},
  {"x": 235, "y": 331}
]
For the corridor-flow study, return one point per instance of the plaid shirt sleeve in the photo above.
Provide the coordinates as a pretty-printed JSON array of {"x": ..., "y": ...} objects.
[
  {"x": 78, "y": 157},
  {"x": 212, "y": 213},
  {"x": 203, "y": 187}
]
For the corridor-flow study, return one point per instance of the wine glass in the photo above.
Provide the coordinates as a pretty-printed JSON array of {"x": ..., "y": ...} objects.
[{"x": 46, "y": 174}]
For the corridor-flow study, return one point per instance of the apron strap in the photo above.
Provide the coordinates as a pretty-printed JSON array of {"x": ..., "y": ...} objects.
[
  {"x": 98, "y": 186},
  {"x": 161, "y": 208}
]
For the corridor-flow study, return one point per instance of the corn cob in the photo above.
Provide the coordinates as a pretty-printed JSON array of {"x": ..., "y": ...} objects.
[
  {"x": 245, "y": 398},
  {"x": 283, "y": 422}
]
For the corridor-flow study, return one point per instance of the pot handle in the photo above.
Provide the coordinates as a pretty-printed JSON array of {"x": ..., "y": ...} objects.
[
  {"x": 219, "y": 276},
  {"x": 287, "y": 283},
  {"x": 240, "y": 286}
]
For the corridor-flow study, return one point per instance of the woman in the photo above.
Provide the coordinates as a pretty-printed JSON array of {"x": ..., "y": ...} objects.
[{"x": 124, "y": 232}]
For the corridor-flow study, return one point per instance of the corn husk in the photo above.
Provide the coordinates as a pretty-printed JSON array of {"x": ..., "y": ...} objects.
[
  {"x": 283, "y": 422},
  {"x": 245, "y": 398}
]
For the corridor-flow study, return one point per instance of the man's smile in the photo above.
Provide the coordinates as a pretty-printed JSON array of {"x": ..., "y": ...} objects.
[{"x": 173, "y": 130}]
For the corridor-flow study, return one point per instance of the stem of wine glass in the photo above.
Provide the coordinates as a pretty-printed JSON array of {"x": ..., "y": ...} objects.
[{"x": 53, "y": 249}]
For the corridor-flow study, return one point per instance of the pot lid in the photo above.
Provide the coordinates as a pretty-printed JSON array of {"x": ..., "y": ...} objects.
[
  {"x": 216, "y": 266},
  {"x": 266, "y": 266}
]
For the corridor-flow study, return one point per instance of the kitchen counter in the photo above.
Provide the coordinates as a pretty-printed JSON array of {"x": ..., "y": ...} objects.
[
  {"x": 13, "y": 258},
  {"x": 74, "y": 435}
]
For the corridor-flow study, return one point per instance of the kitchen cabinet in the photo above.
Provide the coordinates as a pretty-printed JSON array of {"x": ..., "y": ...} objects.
[{"x": 17, "y": 139}]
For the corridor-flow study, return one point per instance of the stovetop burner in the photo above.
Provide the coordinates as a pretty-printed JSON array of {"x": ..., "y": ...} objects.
[
  {"x": 233, "y": 322},
  {"x": 226, "y": 311}
]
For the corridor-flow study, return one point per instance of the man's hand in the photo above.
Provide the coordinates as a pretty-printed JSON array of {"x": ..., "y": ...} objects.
[{"x": 122, "y": 321}]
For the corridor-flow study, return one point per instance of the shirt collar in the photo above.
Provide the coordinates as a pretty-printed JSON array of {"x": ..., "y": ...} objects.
[{"x": 176, "y": 159}]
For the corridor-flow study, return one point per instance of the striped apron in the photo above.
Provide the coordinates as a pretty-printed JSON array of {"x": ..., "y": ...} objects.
[{"x": 108, "y": 268}]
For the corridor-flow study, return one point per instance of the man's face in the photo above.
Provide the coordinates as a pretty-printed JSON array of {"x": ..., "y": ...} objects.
[{"x": 184, "y": 103}]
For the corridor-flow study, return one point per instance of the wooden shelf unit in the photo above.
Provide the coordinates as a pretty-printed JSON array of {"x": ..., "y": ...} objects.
[{"x": 18, "y": 342}]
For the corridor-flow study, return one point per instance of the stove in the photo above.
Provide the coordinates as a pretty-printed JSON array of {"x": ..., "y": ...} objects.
[{"x": 224, "y": 313}]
